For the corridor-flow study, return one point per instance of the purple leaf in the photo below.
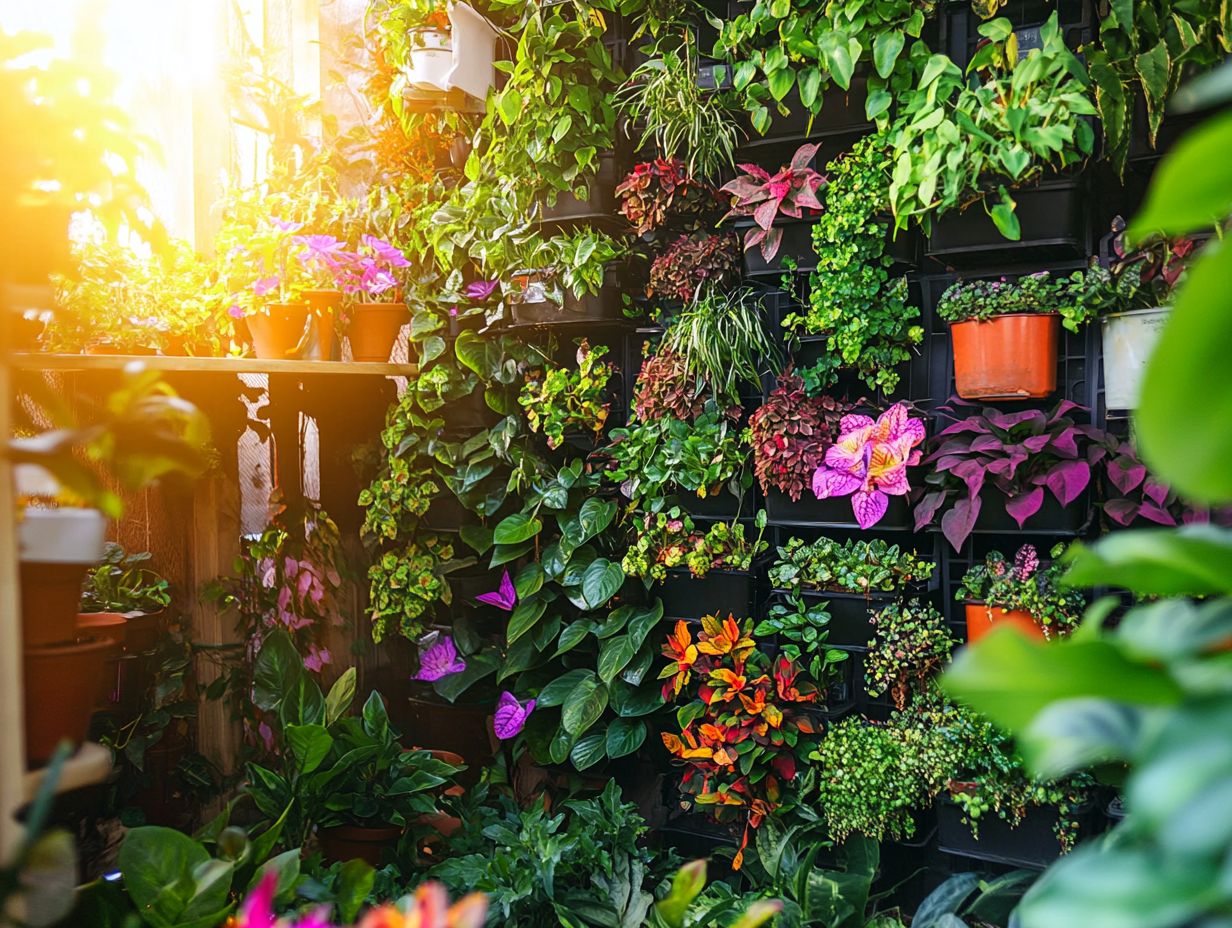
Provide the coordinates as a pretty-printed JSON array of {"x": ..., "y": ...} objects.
[
  {"x": 1155, "y": 491},
  {"x": 972, "y": 474},
  {"x": 958, "y": 522},
  {"x": 765, "y": 213},
  {"x": 1004, "y": 420},
  {"x": 965, "y": 425},
  {"x": 1121, "y": 511},
  {"x": 1067, "y": 480},
  {"x": 1157, "y": 514},
  {"x": 1021, "y": 508},
  {"x": 986, "y": 443},
  {"x": 511, "y": 716},
  {"x": 804, "y": 154},
  {"x": 504, "y": 598},
  {"x": 1036, "y": 443},
  {"x": 770, "y": 244},
  {"x": 1127, "y": 473},
  {"x": 1066, "y": 443},
  {"x": 927, "y": 508}
]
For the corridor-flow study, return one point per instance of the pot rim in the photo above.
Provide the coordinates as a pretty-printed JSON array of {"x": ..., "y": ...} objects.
[
  {"x": 1153, "y": 310},
  {"x": 993, "y": 319},
  {"x": 68, "y": 648}
]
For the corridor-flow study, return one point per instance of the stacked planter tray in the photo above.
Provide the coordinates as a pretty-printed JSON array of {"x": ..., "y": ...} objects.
[
  {"x": 600, "y": 203},
  {"x": 832, "y": 513},
  {"x": 720, "y": 592},
  {"x": 1031, "y": 844},
  {"x": 796, "y": 244},
  {"x": 723, "y": 505}
]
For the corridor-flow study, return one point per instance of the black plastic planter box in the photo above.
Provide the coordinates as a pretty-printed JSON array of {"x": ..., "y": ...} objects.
[
  {"x": 796, "y": 244},
  {"x": 722, "y": 505},
  {"x": 601, "y": 307},
  {"x": 842, "y": 112},
  {"x": 471, "y": 413},
  {"x": 849, "y": 615},
  {"x": 720, "y": 592},
  {"x": 1052, "y": 217},
  {"x": 600, "y": 203},
  {"x": 446, "y": 514},
  {"x": 833, "y": 513},
  {"x": 1051, "y": 519},
  {"x": 1031, "y": 844}
]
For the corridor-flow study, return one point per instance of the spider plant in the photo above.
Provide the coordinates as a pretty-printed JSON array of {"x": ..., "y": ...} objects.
[
  {"x": 724, "y": 340},
  {"x": 678, "y": 117}
]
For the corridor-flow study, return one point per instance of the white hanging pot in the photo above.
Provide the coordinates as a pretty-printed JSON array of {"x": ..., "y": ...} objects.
[
  {"x": 61, "y": 536},
  {"x": 431, "y": 59},
  {"x": 1129, "y": 340}
]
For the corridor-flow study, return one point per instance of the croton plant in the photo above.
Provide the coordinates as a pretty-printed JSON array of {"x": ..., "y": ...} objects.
[
  {"x": 655, "y": 192},
  {"x": 742, "y": 733},
  {"x": 790, "y": 434},
  {"x": 688, "y": 262}
]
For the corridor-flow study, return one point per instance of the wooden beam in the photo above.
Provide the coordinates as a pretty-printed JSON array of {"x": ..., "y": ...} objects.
[{"x": 96, "y": 362}]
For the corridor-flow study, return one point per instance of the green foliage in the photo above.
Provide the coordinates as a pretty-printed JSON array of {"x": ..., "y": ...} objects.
[
  {"x": 1144, "y": 50},
  {"x": 852, "y": 566},
  {"x": 668, "y": 538},
  {"x": 853, "y": 298},
  {"x": 558, "y": 399},
  {"x": 777, "y": 46},
  {"x": 956, "y": 145},
  {"x": 120, "y": 584},
  {"x": 910, "y": 643},
  {"x": 406, "y": 583},
  {"x": 801, "y": 631},
  {"x": 1025, "y": 585},
  {"x": 580, "y": 866},
  {"x": 1041, "y": 292}
]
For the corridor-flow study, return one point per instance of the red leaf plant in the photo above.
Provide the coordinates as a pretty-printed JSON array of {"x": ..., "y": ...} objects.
[
  {"x": 742, "y": 730},
  {"x": 791, "y": 432},
  {"x": 765, "y": 197}
]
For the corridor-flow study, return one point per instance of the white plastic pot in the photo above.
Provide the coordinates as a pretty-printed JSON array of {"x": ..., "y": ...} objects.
[
  {"x": 61, "y": 536},
  {"x": 1129, "y": 340},
  {"x": 460, "y": 59}
]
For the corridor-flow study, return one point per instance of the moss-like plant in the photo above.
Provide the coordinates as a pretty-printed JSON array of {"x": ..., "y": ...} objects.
[
  {"x": 910, "y": 643},
  {"x": 669, "y": 539},
  {"x": 851, "y": 566},
  {"x": 557, "y": 399}
]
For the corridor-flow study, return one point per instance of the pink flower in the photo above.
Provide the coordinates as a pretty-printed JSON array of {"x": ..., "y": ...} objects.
[
  {"x": 511, "y": 716},
  {"x": 317, "y": 658},
  {"x": 267, "y": 735},
  {"x": 439, "y": 659},
  {"x": 385, "y": 251},
  {"x": 869, "y": 462},
  {"x": 258, "y": 909},
  {"x": 235, "y": 312},
  {"x": 263, "y": 285},
  {"x": 480, "y": 289},
  {"x": 285, "y": 225}
]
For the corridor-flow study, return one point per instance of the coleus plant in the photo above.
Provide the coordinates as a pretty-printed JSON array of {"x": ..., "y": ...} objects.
[
  {"x": 666, "y": 388},
  {"x": 1025, "y": 584},
  {"x": 851, "y": 566},
  {"x": 765, "y": 197},
  {"x": 690, "y": 261},
  {"x": 657, "y": 191},
  {"x": 910, "y": 643},
  {"x": 668, "y": 539},
  {"x": 1020, "y": 455},
  {"x": 790, "y": 434},
  {"x": 741, "y": 729},
  {"x": 1132, "y": 493},
  {"x": 869, "y": 462}
]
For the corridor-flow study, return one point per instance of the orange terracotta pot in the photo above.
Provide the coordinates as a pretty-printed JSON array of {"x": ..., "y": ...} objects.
[
  {"x": 1010, "y": 357},
  {"x": 279, "y": 331},
  {"x": 348, "y": 842},
  {"x": 63, "y": 684},
  {"x": 143, "y": 629},
  {"x": 374, "y": 329},
  {"x": 50, "y": 597},
  {"x": 981, "y": 618},
  {"x": 110, "y": 625},
  {"x": 324, "y": 305}
]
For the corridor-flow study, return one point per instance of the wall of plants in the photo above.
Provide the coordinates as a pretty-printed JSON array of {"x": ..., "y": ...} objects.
[{"x": 769, "y": 356}]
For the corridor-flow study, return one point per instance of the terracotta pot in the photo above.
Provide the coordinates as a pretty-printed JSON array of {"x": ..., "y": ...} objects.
[
  {"x": 63, "y": 684},
  {"x": 143, "y": 630},
  {"x": 277, "y": 333},
  {"x": 324, "y": 305},
  {"x": 981, "y": 619},
  {"x": 348, "y": 842},
  {"x": 374, "y": 329},
  {"x": 57, "y": 546},
  {"x": 1010, "y": 357},
  {"x": 110, "y": 625}
]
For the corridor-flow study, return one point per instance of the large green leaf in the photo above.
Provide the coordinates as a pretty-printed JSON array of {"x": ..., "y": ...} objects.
[
  {"x": 516, "y": 528},
  {"x": 309, "y": 745},
  {"x": 555, "y": 693},
  {"x": 589, "y": 750},
  {"x": 277, "y": 670},
  {"x": 1011, "y": 678},
  {"x": 1192, "y": 187},
  {"x": 340, "y": 696},
  {"x": 525, "y": 615},
  {"x": 614, "y": 656},
  {"x": 1192, "y": 561},
  {"x": 624, "y": 736},
  {"x": 1176, "y": 628},
  {"x": 1186, "y": 405},
  {"x": 1074, "y": 734},
  {"x": 583, "y": 706},
  {"x": 594, "y": 516},
  {"x": 171, "y": 878},
  {"x": 601, "y": 581}
]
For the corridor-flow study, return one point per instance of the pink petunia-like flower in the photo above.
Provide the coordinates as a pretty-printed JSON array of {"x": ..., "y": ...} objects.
[
  {"x": 480, "y": 289},
  {"x": 511, "y": 716},
  {"x": 235, "y": 312},
  {"x": 263, "y": 285},
  {"x": 319, "y": 247},
  {"x": 869, "y": 462},
  {"x": 258, "y": 909},
  {"x": 385, "y": 251}
]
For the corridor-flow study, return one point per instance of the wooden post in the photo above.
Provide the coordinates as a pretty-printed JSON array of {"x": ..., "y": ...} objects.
[{"x": 12, "y": 717}]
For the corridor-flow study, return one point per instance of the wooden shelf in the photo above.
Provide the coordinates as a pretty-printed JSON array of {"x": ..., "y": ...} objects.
[
  {"x": 39, "y": 361},
  {"x": 91, "y": 764}
]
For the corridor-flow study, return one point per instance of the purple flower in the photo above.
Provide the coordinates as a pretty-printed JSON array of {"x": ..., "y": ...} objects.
[
  {"x": 283, "y": 225},
  {"x": 235, "y": 312},
  {"x": 505, "y": 597},
  {"x": 385, "y": 251},
  {"x": 439, "y": 659},
  {"x": 317, "y": 658},
  {"x": 263, "y": 285},
  {"x": 511, "y": 716},
  {"x": 318, "y": 246},
  {"x": 480, "y": 289},
  {"x": 453, "y": 310}
]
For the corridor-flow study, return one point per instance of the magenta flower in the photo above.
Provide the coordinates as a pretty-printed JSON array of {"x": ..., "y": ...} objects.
[
  {"x": 385, "y": 251},
  {"x": 317, "y": 658},
  {"x": 480, "y": 289},
  {"x": 285, "y": 225},
  {"x": 263, "y": 285},
  {"x": 258, "y": 909},
  {"x": 235, "y": 312},
  {"x": 505, "y": 597},
  {"x": 869, "y": 462},
  {"x": 511, "y": 716},
  {"x": 318, "y": 247},
  {"x": 439, "y": 659}
]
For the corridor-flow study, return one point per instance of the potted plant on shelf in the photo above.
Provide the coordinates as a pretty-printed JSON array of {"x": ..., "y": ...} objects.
[
  {"x": 868, "y": 461},
  {"x": 568, "y": 278},
  {"x": 670, "y": 550},
  {"x": 120, "y": 585},
  {"x": 1033, "y": 466},
  {"x": 324, "y": 258},
  {"x": 1005, "y": 334},
  {"x": 1026, "y": 594},
  {"x": 959, "y": 140},
  {"x": 439, "y": 47},
  {"x": 372, "y": 277},
  {"x": 801, "y": 631},
  {"x": 856, "y": 578},
  {"x": 740, "y": 755},
  {"x": 790, "y": 433},
  {"x": 559, "y": 401},
  {"x": 910, "y": 644},
  {"x": 768, "y": 200},
  {"x": 692, "y": 261}
]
